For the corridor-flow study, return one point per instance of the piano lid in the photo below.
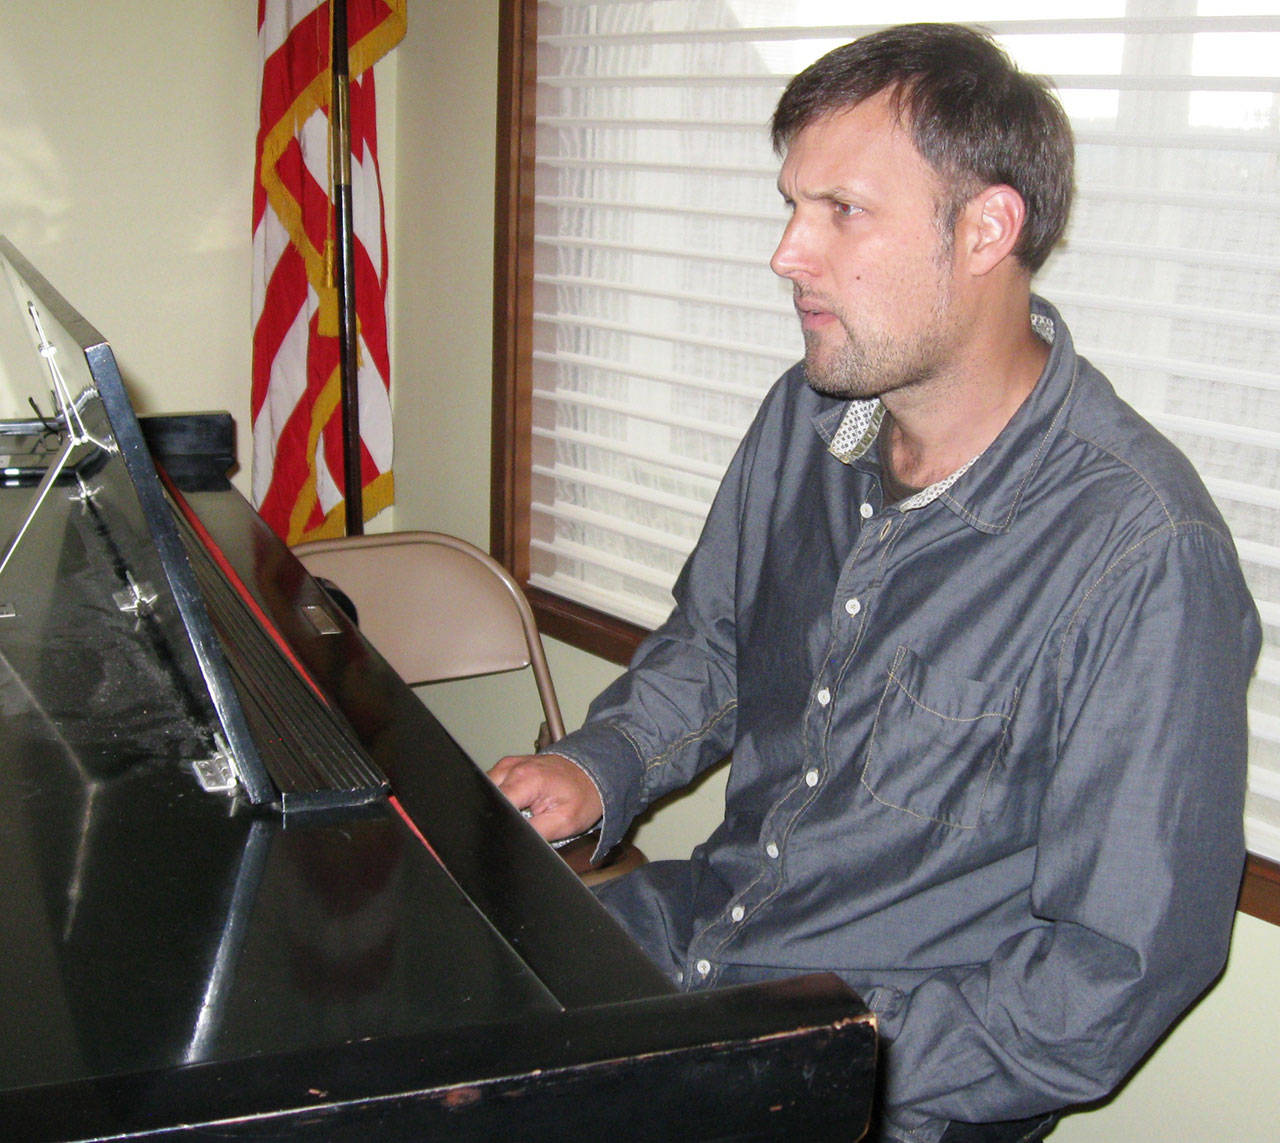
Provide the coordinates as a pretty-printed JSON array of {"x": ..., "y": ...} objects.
[{"x": 111, "y": 606}]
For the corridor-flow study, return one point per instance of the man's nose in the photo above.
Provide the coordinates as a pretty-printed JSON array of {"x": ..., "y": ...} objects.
[{"x": 791, "y": 259}]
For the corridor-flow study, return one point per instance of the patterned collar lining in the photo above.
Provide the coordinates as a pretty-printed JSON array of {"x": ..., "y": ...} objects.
[{"x": 861, "y": 425}]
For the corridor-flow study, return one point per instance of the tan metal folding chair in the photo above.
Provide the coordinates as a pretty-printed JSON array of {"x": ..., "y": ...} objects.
[{"x": 437, "y": 608}]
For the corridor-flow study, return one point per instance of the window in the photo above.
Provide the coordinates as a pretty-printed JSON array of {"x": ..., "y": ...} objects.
[{"x": 643, "y": 324}]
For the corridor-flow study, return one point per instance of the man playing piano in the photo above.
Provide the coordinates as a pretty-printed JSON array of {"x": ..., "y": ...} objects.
[{"x": 973, "y": 633}]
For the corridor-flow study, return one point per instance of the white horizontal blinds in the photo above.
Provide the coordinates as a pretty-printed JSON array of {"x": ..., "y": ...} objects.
[{"x": 658, "y": 325}]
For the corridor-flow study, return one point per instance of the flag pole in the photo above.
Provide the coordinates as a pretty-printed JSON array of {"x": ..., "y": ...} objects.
[{"x": 344, "y": 234}]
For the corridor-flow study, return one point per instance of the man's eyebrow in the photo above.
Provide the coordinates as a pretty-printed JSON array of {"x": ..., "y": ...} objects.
[{"x": 823, "y": 194}]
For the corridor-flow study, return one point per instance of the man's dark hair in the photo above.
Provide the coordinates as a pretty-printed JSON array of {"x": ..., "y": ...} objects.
[{"x": 973, "y": 116}]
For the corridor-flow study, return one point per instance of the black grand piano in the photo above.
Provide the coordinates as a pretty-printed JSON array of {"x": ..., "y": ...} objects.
[{"x": 252, "y": 889}]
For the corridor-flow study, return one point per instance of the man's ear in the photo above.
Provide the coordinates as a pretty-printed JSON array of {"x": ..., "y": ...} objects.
[{"x": 990, "y": 226}]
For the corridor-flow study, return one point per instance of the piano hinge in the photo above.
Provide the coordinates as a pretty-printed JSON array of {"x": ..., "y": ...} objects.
[
  {"x": 135, "y": 599},
  {"x": 85, "y": 494},
  {"x": 321, "y": 620},
  {"x": 216, "y": 774}
]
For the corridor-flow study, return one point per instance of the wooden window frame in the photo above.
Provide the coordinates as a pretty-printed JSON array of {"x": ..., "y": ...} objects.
[
  {"x": 594, "y": 631},
  {"x": 583, "y": 627}
]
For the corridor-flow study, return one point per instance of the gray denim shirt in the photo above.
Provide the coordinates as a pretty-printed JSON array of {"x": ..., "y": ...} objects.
[{"x": 988, "y": 744}]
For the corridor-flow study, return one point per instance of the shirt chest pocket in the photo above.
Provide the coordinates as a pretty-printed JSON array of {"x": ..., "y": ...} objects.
[{"x": 935, "y": 742}]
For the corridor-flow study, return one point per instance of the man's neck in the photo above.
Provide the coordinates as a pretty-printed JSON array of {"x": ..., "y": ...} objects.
[{"x": 933, "y": 428}]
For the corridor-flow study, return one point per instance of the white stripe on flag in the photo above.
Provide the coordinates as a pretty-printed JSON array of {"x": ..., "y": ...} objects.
[
  {"x": 375, "y": 413},
  {"x": 288, "y": 384},
  {"x": 279, "y": 20},
  {"x": 366, "y": 219}
]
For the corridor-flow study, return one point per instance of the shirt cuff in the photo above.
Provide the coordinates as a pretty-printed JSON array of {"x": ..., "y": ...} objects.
[{"x": 610, "y": 760}]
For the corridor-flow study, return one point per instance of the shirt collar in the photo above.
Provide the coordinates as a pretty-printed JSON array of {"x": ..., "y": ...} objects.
[{"x": 990, "y": 499}]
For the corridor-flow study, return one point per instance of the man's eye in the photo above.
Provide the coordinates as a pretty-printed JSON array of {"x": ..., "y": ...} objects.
[{"x": 845, "y": 209}]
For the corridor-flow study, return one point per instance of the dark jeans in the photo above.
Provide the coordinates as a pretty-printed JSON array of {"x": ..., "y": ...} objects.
[{"x": 1012, "y": 1131}]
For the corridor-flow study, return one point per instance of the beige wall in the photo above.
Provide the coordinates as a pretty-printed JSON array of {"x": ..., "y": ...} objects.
[
  {"x": 126, "y": 138},
  {"x": 126, "y": 153},
  {"x": 444, "y": 131}
]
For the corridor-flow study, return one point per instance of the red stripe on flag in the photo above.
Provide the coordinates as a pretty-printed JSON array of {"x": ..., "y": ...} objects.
[{"x": 286, "y": 294}]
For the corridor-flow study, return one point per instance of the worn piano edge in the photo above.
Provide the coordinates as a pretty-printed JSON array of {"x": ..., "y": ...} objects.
[{"x": 802, "y": 1048}]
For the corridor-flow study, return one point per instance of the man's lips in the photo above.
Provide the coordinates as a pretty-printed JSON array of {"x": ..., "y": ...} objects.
[{"x": 812, "y": 314}]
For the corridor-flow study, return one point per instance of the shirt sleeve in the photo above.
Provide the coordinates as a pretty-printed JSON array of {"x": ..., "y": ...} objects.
[{"x": 1139, "y": 854}]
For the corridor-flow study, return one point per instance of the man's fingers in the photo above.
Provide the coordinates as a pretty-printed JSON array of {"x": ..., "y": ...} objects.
[
  {"x": 556, "y": 795},
  {"x": 521, "y": 778},
  {"x": 504, "y": 766}
]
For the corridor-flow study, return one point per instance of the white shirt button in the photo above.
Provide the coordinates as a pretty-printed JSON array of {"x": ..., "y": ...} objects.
[
  {"x": 866, "y": 511},
  {"x": 811, "y": 778},
  {"x": 737, "y": 913},
  {"x": 853, "y": 606},
  {"x": 824, "y": 697},
  {"x": 771, "y": 849},
  {"x": 703, "y": 967}
]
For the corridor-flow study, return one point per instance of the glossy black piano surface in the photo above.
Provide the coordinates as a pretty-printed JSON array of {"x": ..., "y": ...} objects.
[{"x": 407, "y": 961}]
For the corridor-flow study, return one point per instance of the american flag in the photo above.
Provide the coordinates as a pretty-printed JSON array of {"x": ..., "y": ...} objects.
[{"x": 296, "y": 399}]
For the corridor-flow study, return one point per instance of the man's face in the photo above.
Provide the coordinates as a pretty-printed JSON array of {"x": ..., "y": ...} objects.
[{"x": 870, "y": 270}]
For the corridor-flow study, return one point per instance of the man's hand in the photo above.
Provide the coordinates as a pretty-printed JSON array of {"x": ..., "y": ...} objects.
[{"x": 559, "y": 797}]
